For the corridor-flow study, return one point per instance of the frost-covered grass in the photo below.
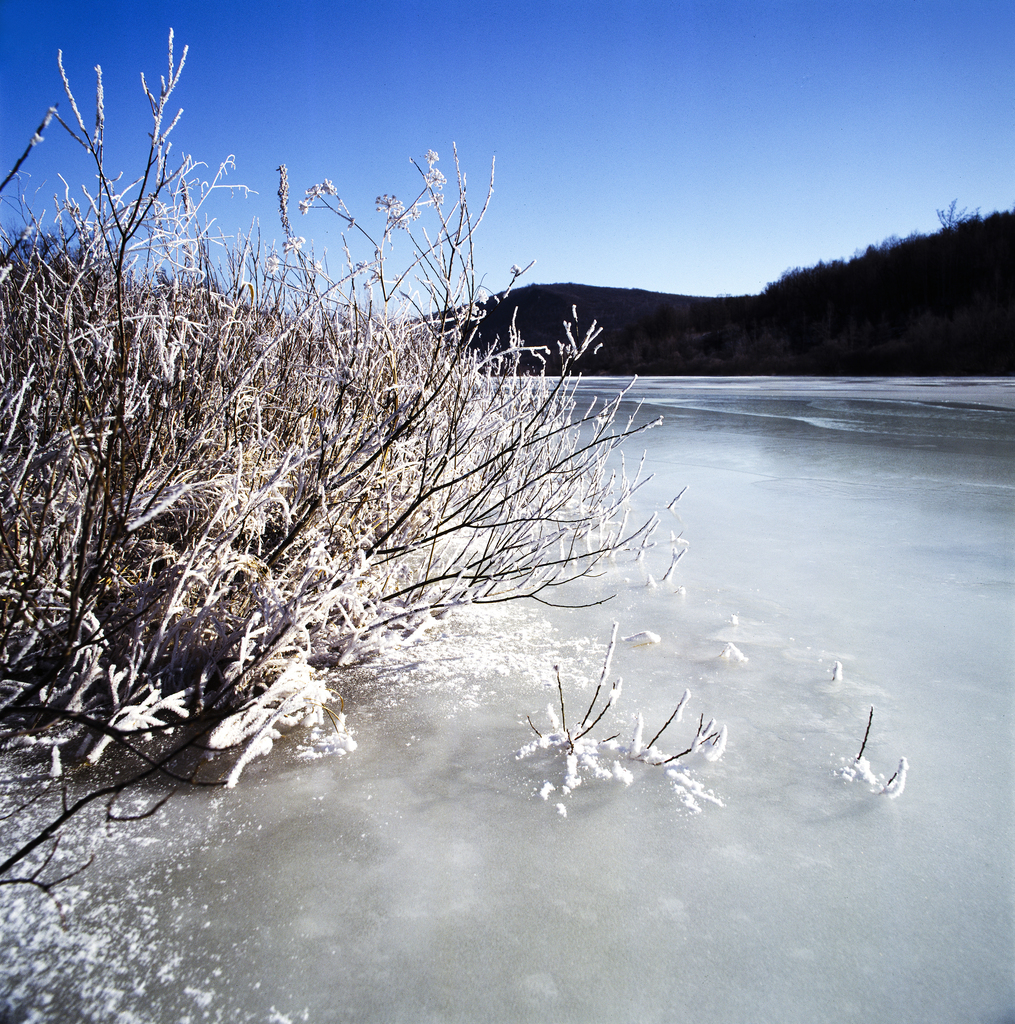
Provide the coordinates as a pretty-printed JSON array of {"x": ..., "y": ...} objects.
[{"x": 225, "y": 466}]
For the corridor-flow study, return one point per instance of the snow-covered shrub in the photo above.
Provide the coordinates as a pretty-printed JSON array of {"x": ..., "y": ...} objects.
[{"x": 224, "y": 467}]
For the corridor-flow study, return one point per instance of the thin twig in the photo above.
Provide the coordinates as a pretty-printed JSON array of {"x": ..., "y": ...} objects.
[
  {"x": 676, "y": 499},
  {"x": 110, "y": 816},
  {"x": 595, "y": 697},
  {"x": 563, "y": 721},
  {"x": 595, "y": 722},
  {"x": 870, "y": 718},
  {"x": 651, "y": 742},
  {"x": 690, "y": 749},
  {"x": 36, "y": 139}
]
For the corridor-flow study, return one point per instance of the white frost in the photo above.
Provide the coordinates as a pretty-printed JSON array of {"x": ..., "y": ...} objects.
[
  {"x": 733, "y": 653},
  {"x": 637, "y": 743},
  {"x": 681, "y": 705},
  {"x": 642, "y": 638},
  {"x": 202, "y": 998},
  {"x": 716, "y": 750},
  {"x": 860, "y": 768},
  {"x": 690, "y": 790},
  {"x": 898, "y": 784}
]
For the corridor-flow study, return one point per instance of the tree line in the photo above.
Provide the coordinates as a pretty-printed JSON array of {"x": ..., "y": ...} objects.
[{"x": 933, "y": 304}]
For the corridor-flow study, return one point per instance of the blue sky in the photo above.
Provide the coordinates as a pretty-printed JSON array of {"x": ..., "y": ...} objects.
[{"x": 691, "y": 147}]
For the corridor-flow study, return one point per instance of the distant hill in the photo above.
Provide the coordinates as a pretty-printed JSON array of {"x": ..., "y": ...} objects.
[
  {"x": 925, "y": 305},
  {"x": 540, "y": 311}
]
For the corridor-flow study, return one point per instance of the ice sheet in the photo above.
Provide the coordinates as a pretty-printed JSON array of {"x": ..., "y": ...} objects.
[{"x": 430, "y": 875}]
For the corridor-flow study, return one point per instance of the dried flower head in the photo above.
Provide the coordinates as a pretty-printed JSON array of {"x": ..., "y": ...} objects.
[
  {"x": 398, "y": 215},
  {"x": 283, "y": 199},
  {"x": 325, "y": 188},
  {"x": 391, "y": 205}
]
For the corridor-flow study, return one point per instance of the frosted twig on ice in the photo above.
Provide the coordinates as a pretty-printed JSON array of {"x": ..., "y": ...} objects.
[
  {"x": 141, "y": 717},
  {"x": 678, "y": 714},
  {"x": 860, "y": 768},
  {"x": 604, "y": 759},
  {"x": 676, "y": 499},
  {"x": 294, "y": 696},
  {"x": 677, "y": 555},
  {"x": 870, "y": 719},
  {"x": 608, "y": 660},
  {"x": 897, "y": 783}
]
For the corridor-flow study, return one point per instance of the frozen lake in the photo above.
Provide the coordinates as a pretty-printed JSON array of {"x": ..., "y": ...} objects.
[{"x": 424, "y": 877}]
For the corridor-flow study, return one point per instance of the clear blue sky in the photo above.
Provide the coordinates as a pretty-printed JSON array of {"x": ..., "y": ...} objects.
[{"x": 691, "y": 147}]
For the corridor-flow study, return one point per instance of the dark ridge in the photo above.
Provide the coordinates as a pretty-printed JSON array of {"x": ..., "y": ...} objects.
[{"x": 541, "y": 310}]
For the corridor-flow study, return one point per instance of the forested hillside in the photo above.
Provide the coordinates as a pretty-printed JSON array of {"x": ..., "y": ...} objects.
[{"x": 928, "y": 304}]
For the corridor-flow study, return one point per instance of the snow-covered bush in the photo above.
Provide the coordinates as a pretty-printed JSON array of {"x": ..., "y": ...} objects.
[{"x": 225, "y": 467}]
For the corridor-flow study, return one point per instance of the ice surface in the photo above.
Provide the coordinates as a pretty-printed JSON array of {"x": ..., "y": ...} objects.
[{"x": 430, "y": 875}]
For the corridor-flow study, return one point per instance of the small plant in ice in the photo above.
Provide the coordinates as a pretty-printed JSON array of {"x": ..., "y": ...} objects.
[
  {"x": 732, "y": 653},
  {"x": 859, "y": 768},
  {"x": 588, "y": 758}
]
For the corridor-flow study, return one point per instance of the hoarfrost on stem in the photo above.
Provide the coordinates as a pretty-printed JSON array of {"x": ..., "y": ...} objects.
[{"x": 608, "y": 759}]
